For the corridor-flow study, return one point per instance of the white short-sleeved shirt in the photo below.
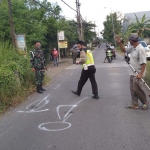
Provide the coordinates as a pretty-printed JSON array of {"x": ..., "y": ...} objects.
[
  {"x": 112, "y": 47},
  {"x": 137, "y": 58}
]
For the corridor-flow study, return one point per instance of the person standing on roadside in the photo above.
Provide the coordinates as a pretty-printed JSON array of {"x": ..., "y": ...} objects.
[
  {"x": 88, "y": 71},
  {"x": 74, "y": 53},
  {"x": 55, "y": 56},
  {"x": 38, "y": 65},
  {"x": 138, "y": 61}
]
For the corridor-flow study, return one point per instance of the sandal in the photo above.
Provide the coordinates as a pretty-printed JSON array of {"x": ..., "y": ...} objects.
[
  {"x": 145, "y": 106},
  {"x": 132, "y": 107}
]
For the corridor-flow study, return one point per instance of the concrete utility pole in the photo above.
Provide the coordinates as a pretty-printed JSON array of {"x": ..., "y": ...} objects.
[
  {"x": 113, "y": 26},
  {"x": 11, "y": 24},
  {"x": 79, "y": 22}
]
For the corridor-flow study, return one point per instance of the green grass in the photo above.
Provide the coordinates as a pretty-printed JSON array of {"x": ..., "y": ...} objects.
[{"x": 147, "y": 77}]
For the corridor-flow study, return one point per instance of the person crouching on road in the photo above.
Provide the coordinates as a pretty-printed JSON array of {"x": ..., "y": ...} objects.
[
  {"x": 138, "y": 61},
  {"x": 38, "y": 65},
  {"x": 88, "y": 71}
]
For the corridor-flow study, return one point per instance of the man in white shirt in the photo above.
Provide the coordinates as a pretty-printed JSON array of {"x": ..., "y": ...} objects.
[{"x": 138, "y": 61}]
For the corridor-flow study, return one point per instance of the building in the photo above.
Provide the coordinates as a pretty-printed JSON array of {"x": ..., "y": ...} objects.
[{"x": 130, "y": 18}]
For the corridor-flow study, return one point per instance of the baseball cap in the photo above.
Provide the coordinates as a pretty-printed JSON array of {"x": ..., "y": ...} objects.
[{"x": 134, "y": 37}]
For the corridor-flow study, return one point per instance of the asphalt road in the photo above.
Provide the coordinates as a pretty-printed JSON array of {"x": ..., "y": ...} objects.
[{"x": 59, "y": 120}]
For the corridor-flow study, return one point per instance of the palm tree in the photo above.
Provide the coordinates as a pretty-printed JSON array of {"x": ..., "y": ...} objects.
[{"x": 141, "y": 26}]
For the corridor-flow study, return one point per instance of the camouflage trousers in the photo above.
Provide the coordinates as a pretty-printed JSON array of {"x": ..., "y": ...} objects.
[
  {"x": 39, "y": 76},
  {"x": 74, "y": 57}
]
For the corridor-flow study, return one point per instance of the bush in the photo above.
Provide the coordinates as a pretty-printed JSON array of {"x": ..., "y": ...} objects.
[
  {"x": 147, "y": 77},
  {"x": 16, "y": 77}
]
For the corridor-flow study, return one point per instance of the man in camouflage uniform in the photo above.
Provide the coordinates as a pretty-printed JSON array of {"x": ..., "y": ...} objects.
[
  {"x": 38, "y": 65},
  {"x": 74, "y": 53}
]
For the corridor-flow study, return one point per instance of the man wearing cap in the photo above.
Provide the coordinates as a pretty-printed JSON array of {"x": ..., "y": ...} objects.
[{"x": 138, "y": 61}]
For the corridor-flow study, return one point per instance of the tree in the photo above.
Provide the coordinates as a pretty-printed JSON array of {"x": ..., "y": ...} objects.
[
  {"x": 108, "y": 26},
  {"x": 142, "y": 27}
]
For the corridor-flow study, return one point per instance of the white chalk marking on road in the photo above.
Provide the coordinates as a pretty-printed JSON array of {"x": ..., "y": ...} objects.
[
  {"x": 57, "y": 109},
  {"x": 70, "y": 111},
  {"x": 35, "y": 109},
  {"x": 48, "y": 87},
  {"x": 81, "y": 100},
  {"x": 45, "y": 129},
  {"x": 57, "y": 87},
  {"x": 41, "y": 126},
  {"x": 67, "y": 117}
]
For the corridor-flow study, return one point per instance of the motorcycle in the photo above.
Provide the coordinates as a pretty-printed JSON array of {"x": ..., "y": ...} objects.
[{"x": 109, "y": 55}]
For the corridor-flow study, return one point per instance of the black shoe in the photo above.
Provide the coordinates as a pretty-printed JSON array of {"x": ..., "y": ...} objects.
[
  {"x": 39, "y": 89},
  {"x": 42, "y": 88},
  {"x": 75, "y": 92},
  {"x": 95, "y": 96}
]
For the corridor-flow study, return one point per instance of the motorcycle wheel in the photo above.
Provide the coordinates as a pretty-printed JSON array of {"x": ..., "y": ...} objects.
[{"x": 109, "y": 60}]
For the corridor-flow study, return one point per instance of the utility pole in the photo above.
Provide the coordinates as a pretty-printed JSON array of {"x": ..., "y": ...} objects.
[
  {"x": 78, "y": 19},
  {"x": 11, "y": 24},
  {"x": 82, "y": 30},
  {"x": 79, "y": 22},
  {"x": 113, "y": 26}
]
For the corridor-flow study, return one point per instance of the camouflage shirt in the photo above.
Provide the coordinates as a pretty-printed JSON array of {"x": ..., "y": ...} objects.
[{"x": 37, "y": 59}]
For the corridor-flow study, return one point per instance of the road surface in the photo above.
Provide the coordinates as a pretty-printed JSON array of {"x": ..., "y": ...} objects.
[{"x": 59, "y": 120}]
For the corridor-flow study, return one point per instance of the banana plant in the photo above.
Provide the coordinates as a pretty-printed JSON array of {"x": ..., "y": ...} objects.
[{"x": 142, "y": 26}]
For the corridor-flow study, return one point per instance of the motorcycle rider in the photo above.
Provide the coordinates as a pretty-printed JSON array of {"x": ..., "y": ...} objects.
[
  {"x": 108, "y": 49},
  {"x": 113, "y": 50}
]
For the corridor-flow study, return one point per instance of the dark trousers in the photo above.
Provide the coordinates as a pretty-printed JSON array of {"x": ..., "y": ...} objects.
[{"x": 85, "y": 75}]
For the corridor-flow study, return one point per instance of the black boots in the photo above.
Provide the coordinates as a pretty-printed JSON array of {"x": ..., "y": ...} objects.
[
  {"x": 40, "y": 89},
  {"x": 76, "y": 93},
  {"x": 95, "y": 96}
]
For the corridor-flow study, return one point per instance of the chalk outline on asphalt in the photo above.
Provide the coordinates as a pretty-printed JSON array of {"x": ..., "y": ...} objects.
[
  {"x": 63, "y": 121},
  {"x": 33, "y": 110}
]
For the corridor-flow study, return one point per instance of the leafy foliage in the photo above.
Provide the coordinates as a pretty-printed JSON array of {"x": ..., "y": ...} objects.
[{"x": 108, "y": 26}]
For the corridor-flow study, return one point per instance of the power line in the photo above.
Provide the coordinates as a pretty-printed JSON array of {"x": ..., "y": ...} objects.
[{"x": 68, "y": 5}]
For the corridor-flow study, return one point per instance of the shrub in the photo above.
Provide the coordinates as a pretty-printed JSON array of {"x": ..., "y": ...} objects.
[{"x": 16, "y": 77}]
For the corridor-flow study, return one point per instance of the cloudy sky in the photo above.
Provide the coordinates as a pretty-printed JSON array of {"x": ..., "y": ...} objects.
[{"x": 93, "y": 10}]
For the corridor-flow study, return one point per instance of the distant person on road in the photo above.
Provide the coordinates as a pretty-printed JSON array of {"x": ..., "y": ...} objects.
[
  {"x": 138, "y": 61},
  {"x": 99, "y": 44},
  {"x": 88, "y": 71},
  {"x": 55, "y": 56},
  {"x": 74, "y": 53},
  {"x": 38, "y": 65}
]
